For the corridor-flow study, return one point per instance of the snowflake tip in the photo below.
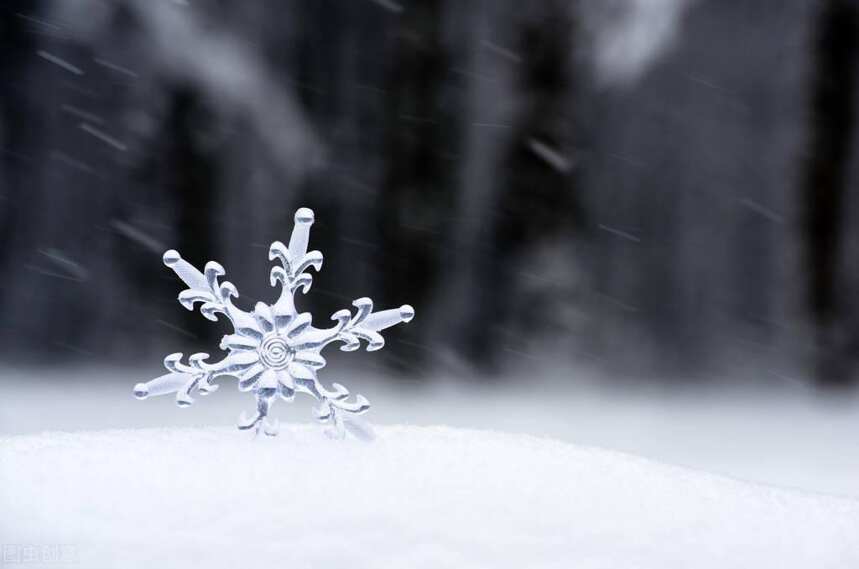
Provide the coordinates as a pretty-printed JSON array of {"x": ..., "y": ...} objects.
[
  {"x": 407, "y": 312},
  {"x": 171, "y": 257},
  {"x": 304, "y": 215},
  {"x": 141, "y": 391}
]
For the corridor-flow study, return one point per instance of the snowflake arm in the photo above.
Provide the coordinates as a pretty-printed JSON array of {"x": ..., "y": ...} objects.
[
  {"x": 186, "y": 377},
  {"x": 363, "y": 325},
  {"x": 274, "y": 350}
]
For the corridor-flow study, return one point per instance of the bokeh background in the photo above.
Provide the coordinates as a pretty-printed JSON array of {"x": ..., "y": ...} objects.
[{"x": 629, "y": 223}]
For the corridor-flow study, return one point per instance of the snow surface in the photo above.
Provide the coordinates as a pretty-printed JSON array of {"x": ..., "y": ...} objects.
[
  {"x": 417, "y": 497},
  {"x": 781, "y": 434}
]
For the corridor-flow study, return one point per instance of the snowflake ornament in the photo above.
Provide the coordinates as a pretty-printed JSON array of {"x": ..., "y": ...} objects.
[{"x": 274, "y": 351}]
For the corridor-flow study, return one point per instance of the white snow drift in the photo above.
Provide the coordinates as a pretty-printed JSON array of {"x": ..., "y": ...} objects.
[{"x": 416, "y": 497}]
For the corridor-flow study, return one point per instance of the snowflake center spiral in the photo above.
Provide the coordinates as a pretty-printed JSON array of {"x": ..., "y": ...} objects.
[{"x": 275, "y": 353}]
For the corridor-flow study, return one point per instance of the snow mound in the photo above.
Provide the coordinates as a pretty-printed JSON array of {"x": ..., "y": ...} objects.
[{"x": 417, "y": 497}]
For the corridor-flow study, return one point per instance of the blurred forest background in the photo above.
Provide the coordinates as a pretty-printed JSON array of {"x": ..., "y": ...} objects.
[{"x": 664, "y": 187}]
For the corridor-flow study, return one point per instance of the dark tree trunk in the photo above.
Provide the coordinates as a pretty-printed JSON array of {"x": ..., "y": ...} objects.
[
  {"x": 537, "y": 198},
  {"x": 20, "y": 123},
  {"x": 824, "y": 183},
  {"x": 192, "y": 175},
  {"x": 418, "y": 188}
]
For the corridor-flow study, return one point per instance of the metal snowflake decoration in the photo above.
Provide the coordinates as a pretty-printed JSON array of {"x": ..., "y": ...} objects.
[{"x": 274, "y": 350}]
